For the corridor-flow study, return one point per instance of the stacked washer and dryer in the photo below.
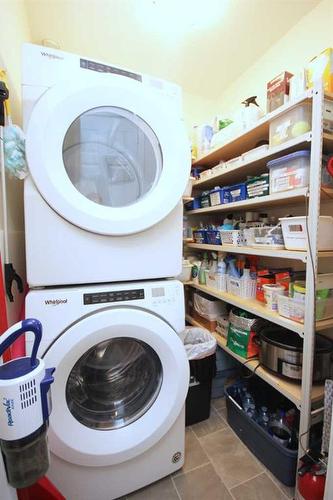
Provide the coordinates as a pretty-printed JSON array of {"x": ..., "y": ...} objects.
[{"x": 109, "y": 160}]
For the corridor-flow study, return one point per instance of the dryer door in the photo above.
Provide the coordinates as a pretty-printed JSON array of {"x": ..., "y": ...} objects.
[
  {"x": 108, "y": 154},
  {"x": 120, "y": 383}
]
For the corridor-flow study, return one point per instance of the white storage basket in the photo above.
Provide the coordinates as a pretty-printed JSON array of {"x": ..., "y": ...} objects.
[
  {"x": 246, "y": 289},
  {"x": 295, "y": 233},
  {"x": 216, "y": 281},
  {"x": 233, "y": 237}
]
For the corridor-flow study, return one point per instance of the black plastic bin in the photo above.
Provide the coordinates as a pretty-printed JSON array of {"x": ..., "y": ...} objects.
[
  {"x": 281, "y": 461},
  {"x": 200, "y": 389}
]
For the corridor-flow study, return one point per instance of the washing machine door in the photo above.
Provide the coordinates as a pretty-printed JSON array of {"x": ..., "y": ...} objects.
[
  {"x": 120, "y": 383},
  {"x": 108, "y": 154}
]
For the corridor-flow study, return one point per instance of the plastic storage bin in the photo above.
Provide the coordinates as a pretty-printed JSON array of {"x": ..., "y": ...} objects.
[
  {"x": 295, "y": 233},
  {"x": 281, "y": 461},
  {"x": 193, "y": 205},
  {"x": 265, "y": 237},
  {"x": 289, "y": 172},
  {"x": 234, "y": 193},
  {"x": 216, "y": 196},
  {"x": 200, "y": 236},
  {"x": 213, "y": 237},
  {"x": 257, "y": 186},
  {"x": 205, "y": 200},
  {"x": 293, "y": 123}
]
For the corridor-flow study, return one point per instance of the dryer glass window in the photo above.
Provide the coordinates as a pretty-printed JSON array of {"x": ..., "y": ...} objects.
[
  {"x": 114, "y": 383},
  {"x": 112, "y": 156}
]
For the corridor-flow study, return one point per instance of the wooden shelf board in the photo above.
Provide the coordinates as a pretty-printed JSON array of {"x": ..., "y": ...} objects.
[
  {"x": 249, "y": 138},
  {"x": 289, "y": 389},
  {"x": 293, "y": 196},
  {"x": 264, "y": 252},
  {"x": 253, "y": 306},
  {"x": 254, "y": 166}
]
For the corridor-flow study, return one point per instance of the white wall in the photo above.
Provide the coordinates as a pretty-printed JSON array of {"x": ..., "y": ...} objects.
[
  {"x": 14, "y": 30},
  {"x": 312, "y": 34}
]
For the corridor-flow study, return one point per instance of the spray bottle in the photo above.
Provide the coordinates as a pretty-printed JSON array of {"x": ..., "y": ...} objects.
[
  {"x": 203, "y": 267},
  {"x": 251, "y": 112}
]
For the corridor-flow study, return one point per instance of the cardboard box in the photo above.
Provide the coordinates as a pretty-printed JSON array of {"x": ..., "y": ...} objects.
[
  {"x": 278, "y": 91},
  {"x": 321, "y": 66}
]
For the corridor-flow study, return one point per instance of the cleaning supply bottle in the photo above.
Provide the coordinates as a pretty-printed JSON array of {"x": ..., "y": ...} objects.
[
  {"x": 203, "y": 267},
  {"x": 213, "y": 264},
  {"x": 251, "y": 112},
  {"x": 221, "y": 267},
  {"x": 232, "y": 271}
]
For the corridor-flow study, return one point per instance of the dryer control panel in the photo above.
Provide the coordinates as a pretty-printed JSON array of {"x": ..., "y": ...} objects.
[{"x": 114, "y": 296}]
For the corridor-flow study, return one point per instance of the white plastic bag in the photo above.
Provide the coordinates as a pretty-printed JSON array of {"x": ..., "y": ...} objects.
[
  {"x": 208, "y": 307},
  {"x": 198, "y": 342}
]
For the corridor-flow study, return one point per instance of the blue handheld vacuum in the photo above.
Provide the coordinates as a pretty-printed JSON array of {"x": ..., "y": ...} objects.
[{"x": 25, "y": 406}]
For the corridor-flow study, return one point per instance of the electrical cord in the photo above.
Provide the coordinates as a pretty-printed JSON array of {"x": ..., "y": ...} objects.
[{"x": 255, "y": 369}]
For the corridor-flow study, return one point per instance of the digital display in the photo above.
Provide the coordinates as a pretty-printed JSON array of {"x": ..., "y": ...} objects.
[
  {"x": 158, "y": 292},
  {"x": 103, "y": 68},
  {"x": 116, "y": 296}
]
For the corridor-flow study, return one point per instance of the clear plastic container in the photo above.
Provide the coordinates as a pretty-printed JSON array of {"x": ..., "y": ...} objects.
[
  {"x": 289, "y": 172},
  {"x": 265, "y": 237},
  {"x": 291, "y": 124},
  {"x": 26, "y": 459}
]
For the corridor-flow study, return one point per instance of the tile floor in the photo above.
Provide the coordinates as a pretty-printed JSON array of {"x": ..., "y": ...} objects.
[{"x": 217, "y": 467}]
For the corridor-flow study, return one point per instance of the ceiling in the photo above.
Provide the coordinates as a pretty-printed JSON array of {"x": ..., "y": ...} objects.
[{"x": 201, "y": 44}]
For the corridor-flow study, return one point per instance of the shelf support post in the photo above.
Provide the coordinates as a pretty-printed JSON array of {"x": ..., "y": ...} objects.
[{"x": 311, "y": 264}]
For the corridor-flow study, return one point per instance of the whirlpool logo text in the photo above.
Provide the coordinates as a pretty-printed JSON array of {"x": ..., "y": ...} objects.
[
  {"x": 9, "y": 407},
  {"x": 55, "y": 302}
]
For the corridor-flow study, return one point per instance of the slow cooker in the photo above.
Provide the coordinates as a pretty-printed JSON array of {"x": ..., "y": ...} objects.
[{"x": 282, "y": 352}]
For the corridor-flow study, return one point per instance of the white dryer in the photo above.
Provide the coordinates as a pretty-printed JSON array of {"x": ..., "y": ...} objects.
[
  {"x": 121, "y": 379},
  {"x": 109, "y": 159}
]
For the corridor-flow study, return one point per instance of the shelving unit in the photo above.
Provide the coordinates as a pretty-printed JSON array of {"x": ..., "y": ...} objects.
[
  {"x": 292, "y": 391},
  {"x": 306, "y": 395}
]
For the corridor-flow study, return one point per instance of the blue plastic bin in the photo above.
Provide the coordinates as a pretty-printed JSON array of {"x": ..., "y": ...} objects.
[
  {"x": 193, "y": 204},
  {"x": 281, "y": 461},
  {"x": 200, "y": 236},
  {"x": 234, "y": 193},
  {"x": 213, "y": 237}
]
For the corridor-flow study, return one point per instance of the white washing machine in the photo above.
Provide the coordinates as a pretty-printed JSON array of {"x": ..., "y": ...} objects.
[
  {"x": 121, "y": 379},
  {"x": 109, "y": 159}
]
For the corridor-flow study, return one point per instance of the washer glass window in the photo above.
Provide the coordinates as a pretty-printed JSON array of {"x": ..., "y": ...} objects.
[
  {"x": 112, "y": 156},
  {"x": 114, "y": 383}
]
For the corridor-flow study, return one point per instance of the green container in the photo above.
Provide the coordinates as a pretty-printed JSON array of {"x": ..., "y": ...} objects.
[{"x": 257, "y": 186}]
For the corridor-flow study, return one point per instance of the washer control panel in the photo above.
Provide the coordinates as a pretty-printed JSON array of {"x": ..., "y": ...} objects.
[
  {"x": 115, "y": 296},
  {"x": 104, "y": 68}
]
